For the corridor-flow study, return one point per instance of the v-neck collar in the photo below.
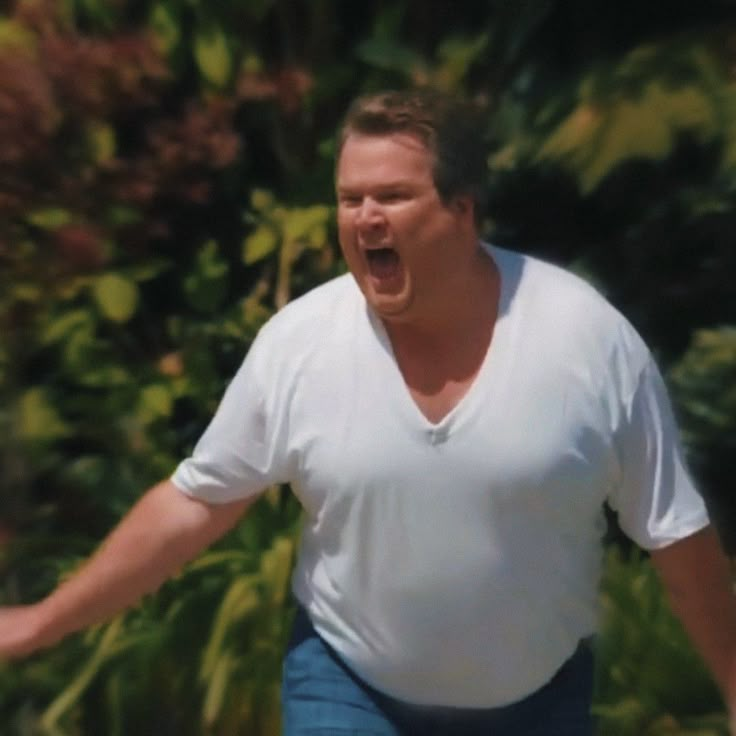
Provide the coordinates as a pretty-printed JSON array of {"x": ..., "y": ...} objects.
[{"x": 394, "y": 383}]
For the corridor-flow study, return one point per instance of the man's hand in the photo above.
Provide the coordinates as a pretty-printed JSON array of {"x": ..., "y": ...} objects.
[
  {"x": 162, "y": 532},
  {"x": 21, "y": 631}
]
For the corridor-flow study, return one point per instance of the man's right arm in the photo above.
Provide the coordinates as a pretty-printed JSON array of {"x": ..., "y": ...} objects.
[{"x": 162, "y": 532}]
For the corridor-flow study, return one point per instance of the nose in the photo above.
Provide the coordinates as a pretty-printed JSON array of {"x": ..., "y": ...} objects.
[{"x": 369, "y": 214}]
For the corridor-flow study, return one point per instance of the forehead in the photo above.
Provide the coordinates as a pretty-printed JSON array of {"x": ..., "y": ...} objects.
[{"x": 375, "y": 157}]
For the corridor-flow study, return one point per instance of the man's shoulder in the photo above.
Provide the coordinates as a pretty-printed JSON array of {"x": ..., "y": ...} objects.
[
  {"x": 571, "y": 310},
  {"x": 319, "y": 311},
  {"x": 550, "y": 279},
  {"x": 558, "y": 290}
]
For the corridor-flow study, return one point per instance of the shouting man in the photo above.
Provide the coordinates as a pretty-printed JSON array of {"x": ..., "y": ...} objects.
[{"x": 452, "y": 417}]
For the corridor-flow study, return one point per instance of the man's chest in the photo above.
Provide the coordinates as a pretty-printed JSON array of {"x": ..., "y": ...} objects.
[{"x": 520, "y": 443}]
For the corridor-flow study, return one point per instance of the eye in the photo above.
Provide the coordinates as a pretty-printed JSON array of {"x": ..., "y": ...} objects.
[
  {"x": 349, "y": 200},
  {"x": 391, "y": 196}
]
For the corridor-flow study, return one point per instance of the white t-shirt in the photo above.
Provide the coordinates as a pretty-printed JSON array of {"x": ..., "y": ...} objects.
[{"x": 454, "y": 563}]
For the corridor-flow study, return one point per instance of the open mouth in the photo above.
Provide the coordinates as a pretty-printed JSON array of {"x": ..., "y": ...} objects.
[{"x": 383, "y": 263}]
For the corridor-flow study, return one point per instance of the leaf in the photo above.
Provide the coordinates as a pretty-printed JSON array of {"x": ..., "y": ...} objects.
[
  {"x": 217, "y": 689},
  {"x": 116, "y": 296},
  {"x": 206, "y": 285},
  {"x": 241, "y": 599},
  {"x": 102, "y": 142},
  {"x": 317, "y": 237},
  {"x": 213, "y": 56},
  {"x": 38, "y": 419},
  {"x": 276, "y": 568},
  {"x": 50, "y": 218},
  {"x": 78, "y": 347},
  {"x": 687, "y": 108},
  {"x": 60, "y": 327},
  {"x": 147, "y": 270},
  {"x": 154, "y": 402},
  {"x": 26, "y": 292},
  {"x": 72, "y": 692},
  {"x": 216, "y": 559},
  {"x": 259, "y": 244},
  {"x": 209, "y": 261},
  {"x": 14, "y": 35},
  {"x": 164, "y": 28},
  {"x": 261, "y": 200},
  {"x": 298, "y": 222},
  {"x": 457, "y": 55}
]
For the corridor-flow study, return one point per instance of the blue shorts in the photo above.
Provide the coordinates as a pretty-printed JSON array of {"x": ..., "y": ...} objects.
[{"x": 322, "y": 696}]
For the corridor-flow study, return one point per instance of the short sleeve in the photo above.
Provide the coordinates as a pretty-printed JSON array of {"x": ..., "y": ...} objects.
[
  {"x": 243, "y": 450},
  {"x": 655, "y": 498}
]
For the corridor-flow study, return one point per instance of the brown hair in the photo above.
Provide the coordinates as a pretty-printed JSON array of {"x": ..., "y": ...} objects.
[{"x": 449, "y": 127}]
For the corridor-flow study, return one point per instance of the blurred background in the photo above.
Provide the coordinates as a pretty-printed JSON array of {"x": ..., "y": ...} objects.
[{"x": 166, "y": 185}]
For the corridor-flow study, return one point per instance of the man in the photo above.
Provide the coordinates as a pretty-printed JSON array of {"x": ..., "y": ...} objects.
[{"x": 452, "y": 417}]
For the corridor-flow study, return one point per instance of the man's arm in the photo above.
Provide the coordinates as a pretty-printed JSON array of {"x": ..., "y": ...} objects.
[
  {"x": 162, "y": 532},
  {"x": 697, "y": 577}
]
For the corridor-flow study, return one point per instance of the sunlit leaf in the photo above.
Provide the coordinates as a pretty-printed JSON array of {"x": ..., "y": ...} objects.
[
  {"x": 108, "y": 376},
  {"x": 261, "y": 200},
  {"x": 79, "y": 683},
  {"x": 26, "y": 292},
  {"x": 38, "y": 419},
  {"x": 154, "y": 402},
  {"x": 213, "y": 56},
  {"x": 457, "y": 56},
  {"x": 102, "y": 141},
  {"x": 147, "y": 270},
  {"x": 241, "y": 599},
  {"x": 259, "y": 244},
  {"x": 60, "y": 327},
  {"x": 317, "y": 237},
  {"x": 16, "y": 36},
  {"x": 50, "y": 218},
  {"x": 116, "y": 296},
  {"x": 298, "y": 222},
  {"x": 686, "y": 108},
  {"x": 276, "y": 568},
  {"x": 217, "y": 686}
]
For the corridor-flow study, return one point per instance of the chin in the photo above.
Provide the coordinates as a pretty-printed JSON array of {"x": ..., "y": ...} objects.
[{"x": 397, "y": 311}]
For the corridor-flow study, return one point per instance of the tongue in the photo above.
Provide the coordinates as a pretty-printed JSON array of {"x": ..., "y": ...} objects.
[{"x": 383, "y": 263}]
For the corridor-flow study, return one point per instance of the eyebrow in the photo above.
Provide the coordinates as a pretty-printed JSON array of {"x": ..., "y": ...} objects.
[{"x": 400, "y": 184}]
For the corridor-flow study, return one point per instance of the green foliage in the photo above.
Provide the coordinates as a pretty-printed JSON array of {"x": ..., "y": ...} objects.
[
  {"x": 201, "y": 657},
  {"x": 167, "y": 184},
  {"x": 639, "y": 108},
  {"x": 704, "y": 383},
  {"x": 649, "y": 681}
]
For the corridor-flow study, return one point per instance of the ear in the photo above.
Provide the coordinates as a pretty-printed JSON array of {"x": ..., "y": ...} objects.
[{"x": 463, "y": 206}]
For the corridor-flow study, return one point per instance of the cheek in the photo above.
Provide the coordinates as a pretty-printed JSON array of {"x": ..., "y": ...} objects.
[{"x": 344, "y": 226}]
